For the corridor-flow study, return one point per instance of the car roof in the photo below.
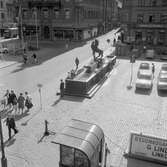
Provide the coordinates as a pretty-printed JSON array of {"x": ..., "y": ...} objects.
[
  {"x": 162, "y": 75},
  {"x": 145, "y": 72}
]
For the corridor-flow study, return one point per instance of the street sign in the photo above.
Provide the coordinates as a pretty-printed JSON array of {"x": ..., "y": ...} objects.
[{"x": 148, "y": 148}]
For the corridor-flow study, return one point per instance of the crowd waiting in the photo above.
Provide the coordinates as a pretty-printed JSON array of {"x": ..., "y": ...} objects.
[{"x": 17, "y": 103}]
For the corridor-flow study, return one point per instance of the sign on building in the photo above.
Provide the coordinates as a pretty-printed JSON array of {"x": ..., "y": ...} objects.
[{"x": 148, "y": 148}]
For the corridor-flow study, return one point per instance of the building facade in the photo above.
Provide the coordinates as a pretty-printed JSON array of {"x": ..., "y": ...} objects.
[
  {"x": 65, "y": 19},
  {"x": 145, "y": 22},
  {"x": 7, "y": 15}
]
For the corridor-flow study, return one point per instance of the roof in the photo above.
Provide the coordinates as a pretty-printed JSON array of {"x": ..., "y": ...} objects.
[{"x": 81, "y": 135}]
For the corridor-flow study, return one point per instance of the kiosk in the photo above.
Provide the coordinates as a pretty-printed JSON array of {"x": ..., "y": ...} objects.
[{"x": 81, "y": 145}]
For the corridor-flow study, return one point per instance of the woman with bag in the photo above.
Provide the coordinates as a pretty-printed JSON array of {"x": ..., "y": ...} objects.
[{"x": 28, "y": 102}]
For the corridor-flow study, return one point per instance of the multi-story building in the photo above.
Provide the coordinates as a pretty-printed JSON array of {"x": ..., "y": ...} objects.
[
  {"x": 145, "y": 21},
  {"x": 7, "y": 15},
  {"x": 65, "y": 19}
]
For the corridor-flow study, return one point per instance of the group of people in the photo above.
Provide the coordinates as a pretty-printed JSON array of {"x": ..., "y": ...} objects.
[
  {"x": 34, "y": 57},
  {"x": 12, "y": 102}
]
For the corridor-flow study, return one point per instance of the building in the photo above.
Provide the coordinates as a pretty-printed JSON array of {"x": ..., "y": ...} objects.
[
  {"x": 65, "y": 19},
  {"x": 7, "y": 15},
  {"x": 145, "y": 22}
]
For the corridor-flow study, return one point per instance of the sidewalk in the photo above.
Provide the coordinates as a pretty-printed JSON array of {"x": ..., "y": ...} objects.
[{"x": 9, "y": 60}]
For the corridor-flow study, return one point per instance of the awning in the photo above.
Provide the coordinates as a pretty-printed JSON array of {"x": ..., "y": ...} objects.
[{"x": 81, "y": 135}]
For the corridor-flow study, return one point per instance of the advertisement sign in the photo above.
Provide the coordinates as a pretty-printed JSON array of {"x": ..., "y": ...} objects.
[{"x": 148, "y": 147}]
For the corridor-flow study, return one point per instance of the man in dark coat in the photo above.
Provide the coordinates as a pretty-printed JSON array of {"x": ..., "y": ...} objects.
[
  {"x": 10, "y": 122},
  {"x": 61, "y": 88},
  {"x": 12, "y": 99},
  {"x": 76, "y": 62}
]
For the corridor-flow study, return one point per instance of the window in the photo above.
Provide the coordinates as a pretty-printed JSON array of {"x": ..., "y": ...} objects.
[
  {"x": 164, "y": 2},
  {"x": 45, "y": 13},
  {"x": 24, "y": 13},
  {"x": 2, "y": 15},
  {"x": 80, "y": 159},
  {"x": 67, "y": 0},
  {"x": 163, "y": 18},
  {"x": 141, "y": 3},
  {"x": 139, "y": 18},
  {"x": 56, "y": 13},
  {"x": 161, "y": 39},
  {"x": 1, "y": 4},
  {"x": 153, "y": 2},
  {"x": 151, "y": 19},
  {"x": 67, "y": 13}
]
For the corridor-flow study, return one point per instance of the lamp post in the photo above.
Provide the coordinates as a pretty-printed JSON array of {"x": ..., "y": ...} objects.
[
  {"x": 40, "y": 94},
  {"x": 3, "y": 159},
  {"x": 36, "y": 25}
]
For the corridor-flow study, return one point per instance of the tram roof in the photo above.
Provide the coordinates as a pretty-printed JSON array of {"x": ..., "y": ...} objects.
[{"x": 81, "y": 135}]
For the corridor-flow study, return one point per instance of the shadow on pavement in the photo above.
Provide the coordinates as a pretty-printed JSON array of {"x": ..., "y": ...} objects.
[
  {"x": 48, "y": 50},
  {"x": 8, "y": 143},
  {"x": 162, "y": 93},
  {"x": 56, "y": 102},
  {"x": 18, "y": 117},
  {"x": 73, "y": 98},
  {"x": 143, "y": 91}
]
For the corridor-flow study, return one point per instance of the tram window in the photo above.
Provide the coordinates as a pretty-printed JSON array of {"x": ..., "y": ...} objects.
[
  {"x": 67, "y": 155},
  {"x": 80, "y": 159}
]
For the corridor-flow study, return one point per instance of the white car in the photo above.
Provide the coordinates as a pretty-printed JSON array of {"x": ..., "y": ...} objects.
[
  {"x": 163, "y": 69},
  {"x": 144, "y": 80},
  {"x": 144, "y": 67},
  {"x": 162, "y": 81}
]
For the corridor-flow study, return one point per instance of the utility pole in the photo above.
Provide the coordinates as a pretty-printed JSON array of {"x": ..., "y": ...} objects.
[
  {"x": 21, "y": 24},
  {"x": 36, "y": 25},
  {"x": 3, "y": 159}
]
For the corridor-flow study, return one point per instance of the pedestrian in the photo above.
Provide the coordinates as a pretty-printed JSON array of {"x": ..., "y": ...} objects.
[
  {"x": 93, "y": 49},
  {"x": 28, "y": 101},
  {"x": 25, "y": 58},
  {"x": 153, "y": 69},
  {"x": 6, "y": 96},
  {"x": 114, "y": 41},
  {"x": 77, "y": 62},
  {"x": 61, "y": 88},
  {"x": 10, "y": 122},
  {"x": 12, "y": 100},
  {"x": 34, "y": 56},
  {"x": 20, "y": 102}
]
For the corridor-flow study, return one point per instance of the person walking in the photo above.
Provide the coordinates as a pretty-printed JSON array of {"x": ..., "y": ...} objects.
[
  {"x": 93, "y": 49},
  {"x": 77, "y": 62},
  {"x": 10, "y": 123},
  {"x": 153, "y": 69},
  {"x": 34, "y": 56},
  {"x": 12, "y": 100},
  {"x": 20, "y": 102},
  {"x": 61, "y": 88},
  {"x": 25, "y": 58},
  {"x": 28, "y": 101},
  {"x": 6, "y": 96}
]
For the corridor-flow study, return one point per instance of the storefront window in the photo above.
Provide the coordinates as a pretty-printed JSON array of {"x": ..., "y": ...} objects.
[
  {"x": 139, "y": 18},
  {"x": 80, "y": 159},
  {"x": 67, "y": 155},
  {"x": 161, "y": 39}
]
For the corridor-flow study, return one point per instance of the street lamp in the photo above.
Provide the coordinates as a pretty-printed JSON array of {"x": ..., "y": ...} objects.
[
  {"x": 3, "y": 159},
  {"x": 40, "y": 94}
]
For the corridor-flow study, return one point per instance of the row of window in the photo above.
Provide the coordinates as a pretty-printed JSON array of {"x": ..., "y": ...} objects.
[
  {"x": 152, "y": 18},
  {"x": 152, "y": 3},
  {"x": 87, "y": 13}
]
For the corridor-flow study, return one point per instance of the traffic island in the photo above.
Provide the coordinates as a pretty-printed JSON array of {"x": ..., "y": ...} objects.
[{"x": 86, "y": 81}]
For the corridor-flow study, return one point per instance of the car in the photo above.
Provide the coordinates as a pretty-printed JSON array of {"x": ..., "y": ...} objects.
[
  {"x": 150, "y": 54},
  {"x": 144, "y": 80},
  {"x": 144, "y": 67},
  {"x": 163, "y": 69},
  {"x": 162, "y": 81},
  {"x": 4, "y": 50}
]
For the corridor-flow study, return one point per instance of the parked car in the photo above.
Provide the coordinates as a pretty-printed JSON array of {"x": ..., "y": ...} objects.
[
  {"x": 163, "y": 69},
  {"x": 4, "y": 50},
  {"x": 144, "y": 80},
  {"x": 144, "y": 67},
  {"x": 162, "y": 81},
  {"x": 150, "y": 54}
]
